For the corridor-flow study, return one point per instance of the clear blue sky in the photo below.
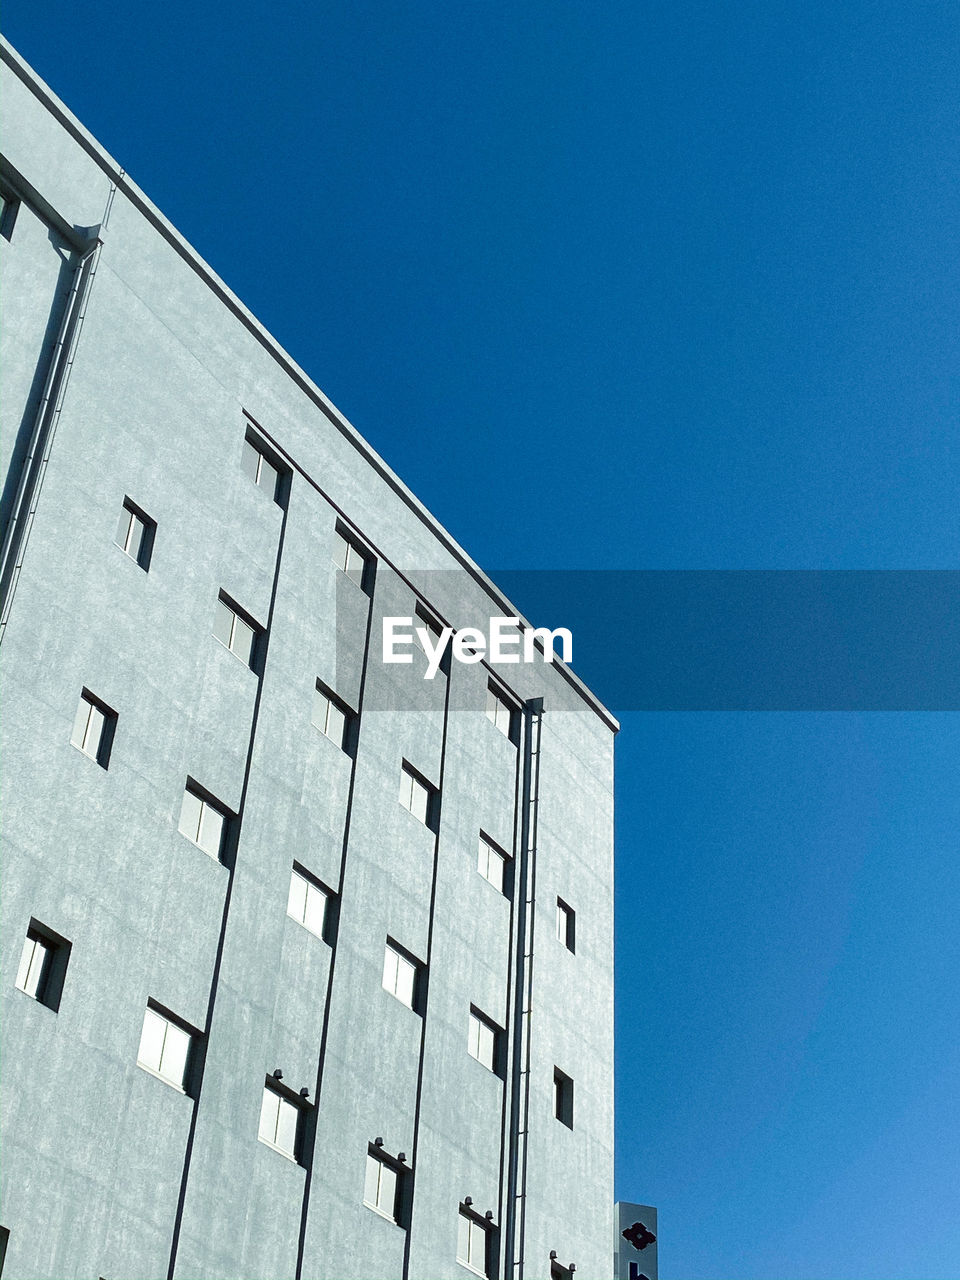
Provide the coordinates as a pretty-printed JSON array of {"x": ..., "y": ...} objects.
[{"x": 661, "y": 286}]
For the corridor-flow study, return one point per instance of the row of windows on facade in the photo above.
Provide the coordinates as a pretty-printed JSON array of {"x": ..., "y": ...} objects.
[
  {"x": 168, "y": 1050},
  {"x": 166, "y": 1042},
  {"x": 243, "y": 636},
  {"x": 382, "y": 1192},
  {"x": 385, "y": 1191},
  {"x": 237, "y": 629},
  {"x": 476, "y": 1236},
  {"x": 206, "y": 822}
]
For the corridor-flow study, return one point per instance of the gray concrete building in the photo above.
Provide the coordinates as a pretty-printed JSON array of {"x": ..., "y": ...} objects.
[{"x": 307, "y": 961}]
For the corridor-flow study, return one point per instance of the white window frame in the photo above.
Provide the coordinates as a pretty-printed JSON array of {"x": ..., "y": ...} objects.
[
  {"x": 199, "y": 817},
  {"x": 307, "y": 901},
  {"x": 400, "y": 975},
  {"x": 42, "y": 967},
  {"x": 170, "y": 1059},
  {"x": 492, "y": 863},
  {"x": 501, "y": 712},
  {"x": 259, "y": 468},
  {"x": 330, "y": 715},
  {"x": 473, "y": 1236},
  {"x": 134, "y": 533},
  {"x": 416, "y": 795},
  {"x": 482, "y": 1040},
  {"x": 277, "y": 1114},
  {"x": 566, "y": 926},
  {"x": 36, "y": 960},
  {"x": 349, "y": 558},
  {"x": 234, "y": 631},
  {"x": 381, "y": 1186},
  {"x": 92, "y": 728}
]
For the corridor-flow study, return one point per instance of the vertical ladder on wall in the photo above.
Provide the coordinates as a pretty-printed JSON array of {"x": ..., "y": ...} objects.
[{"x": 524, "y": 998}]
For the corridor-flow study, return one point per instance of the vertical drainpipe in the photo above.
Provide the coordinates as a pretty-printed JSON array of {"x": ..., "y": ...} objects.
[
  {"x": 522, "y": 1001},
  {"x": 45, "y": 424}
]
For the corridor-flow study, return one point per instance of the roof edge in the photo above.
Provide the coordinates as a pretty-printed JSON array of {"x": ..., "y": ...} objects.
[{"x": 42, "y": 91}]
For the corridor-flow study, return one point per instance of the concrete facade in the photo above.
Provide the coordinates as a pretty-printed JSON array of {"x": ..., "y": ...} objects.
[{"x": 131, "y": 375}]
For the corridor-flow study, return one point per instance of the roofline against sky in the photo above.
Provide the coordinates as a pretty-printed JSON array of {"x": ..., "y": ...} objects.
[{"x": 117, "y": 175}]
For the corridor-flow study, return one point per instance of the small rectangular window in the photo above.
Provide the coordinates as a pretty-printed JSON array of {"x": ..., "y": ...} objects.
[
  {"x": 235, "y": 630},
  {"x": 381, "y": 1187},
  {"x": 34, "y": 965},
  {"x": 262, "y": 470},
  {"x": 93, "y": 728},
  {"x": 135, "y": 533},
  {"x": 43, "y": 965},
  {"x": 348, "y": 557},
  {"x": 417, "y": 795},
  {"x": 331, "y": 716},
  {"x": 502, "y": 713},
  {"x": 4, "y": 1239},
  {"x": 203, "y": 822},
  {"x": 566, "y": 925},
  {"x": 491, "y": 863},
  {"x": 165, "y": 1047},
  {"x": 563, "y": 1097},
  {"x": 473, "y": 1242},
  {"x": 425, "y": 621},
  {"x": 482, "y": 1037},
  {"x": 400, "y": 975},
  {"x": 307, "y": 901},
  {"x": 280, "y": 1122}
]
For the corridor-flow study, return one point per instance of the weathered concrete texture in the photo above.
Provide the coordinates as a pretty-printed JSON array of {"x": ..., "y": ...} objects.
[{"x": 109, "y": 1170}]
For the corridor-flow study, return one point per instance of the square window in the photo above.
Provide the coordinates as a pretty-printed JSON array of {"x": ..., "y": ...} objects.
[
  {"x": 502, "y": 713},
  {"x": 262, "y": 470},
  {"x": 381, "y": 1186},
  {"x": 473, "y": 1236},
  {"x": 348, "y": 557},
  {"x": 43, "y": 965},
  {"x": 165, "y": 1047},
  {"x": 237, "y": 632},
  {"x": 417, "y": 795},
  {"x": 400, "y": 974},
  {"x": 135, "y": 533},
  {"x": 93, "y": 728},
  {"x": 492, "y": 863},
  {"x": 279, "y": 1121},
  {"x": 331, "y": 716},
  {"x": 307, "y": 901},
  {"x": 563, "y": 1097},
  {"x": 566, "y": 925},
  {"x": 482, "y": 1038},
  {"x": 203, "y": 822}
]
